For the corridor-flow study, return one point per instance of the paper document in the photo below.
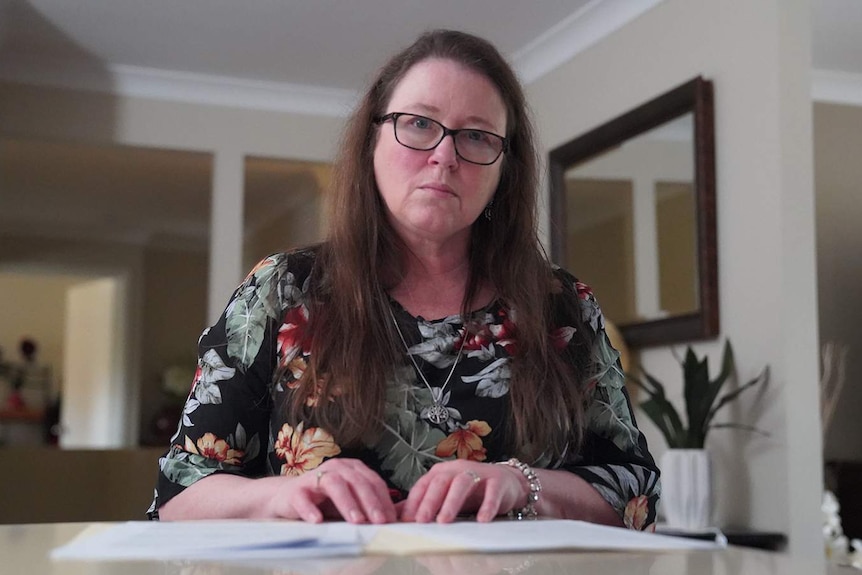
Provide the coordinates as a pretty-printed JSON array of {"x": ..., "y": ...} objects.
[
  {"x": 243, "y": 540},
  {"x": 514, "y": 536},
  {"x": 214, "y": 540}
]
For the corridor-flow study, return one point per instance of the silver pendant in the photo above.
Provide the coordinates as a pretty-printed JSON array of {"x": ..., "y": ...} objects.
[{"x": 437, "y": 414}]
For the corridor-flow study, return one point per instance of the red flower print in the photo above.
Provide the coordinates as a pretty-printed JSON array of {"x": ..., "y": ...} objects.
[
  {"x": 212, "y": 447},
  {"x": 465, "y": 442},
  {"x": 477, "y": 337},
  {"x": 196, "y": 379},
  {"x": 584, "y": 291},
  {"x": 291, "y": 335},
  {"x": 637, "y": 511},
  {"x": 303, "y": 449},
  {"x": 505, "y": 332},
  {"x": 561, "y": 337}
]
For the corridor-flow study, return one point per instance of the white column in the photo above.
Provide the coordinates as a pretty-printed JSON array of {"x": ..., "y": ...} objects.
[
  {"x": 226, "y": 223},
  {"x": 798, "y": 285},
  {"x": 647, "y": 302}
]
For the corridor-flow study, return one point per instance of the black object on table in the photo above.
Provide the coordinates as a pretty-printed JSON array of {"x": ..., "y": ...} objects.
[{"x": 770, "y": 541}]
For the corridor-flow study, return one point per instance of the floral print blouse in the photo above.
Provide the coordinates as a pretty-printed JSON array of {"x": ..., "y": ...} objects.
[{"x": 251, "y": 359}]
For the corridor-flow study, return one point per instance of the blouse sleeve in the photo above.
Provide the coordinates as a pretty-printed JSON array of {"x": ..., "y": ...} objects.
[
  {"x": 225, "y": 421},
  {"x": 614, "y": 458}
]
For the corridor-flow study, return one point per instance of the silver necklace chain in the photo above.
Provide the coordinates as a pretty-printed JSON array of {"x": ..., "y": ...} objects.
[{"x": 437, "y": 413}]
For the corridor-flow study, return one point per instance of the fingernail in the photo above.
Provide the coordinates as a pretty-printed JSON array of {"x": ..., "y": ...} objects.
[
  {"x": 355, "y": 516},
  {"x": 378, "y": 517}
]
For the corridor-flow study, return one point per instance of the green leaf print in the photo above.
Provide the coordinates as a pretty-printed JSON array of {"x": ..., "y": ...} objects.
[
  {"x": 408, "y": 445},
  {"x": 186, "y": 473},
  {"x": 609, "y": 413},
  {"x": 245, "y": 325},
  {"x": 265, "y": 278},
  {"x": 252, "y": 449},
  {"x": 605, "y": 420}
]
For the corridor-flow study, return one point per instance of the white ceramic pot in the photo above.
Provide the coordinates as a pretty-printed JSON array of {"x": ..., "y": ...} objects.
[{"x": 686, "y": 488}]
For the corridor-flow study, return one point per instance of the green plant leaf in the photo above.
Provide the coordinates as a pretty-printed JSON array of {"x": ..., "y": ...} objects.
[
  {"x": 661, "y": 411},
  {"x": 763, "y": 377},
  {"x": 703, "y": 391},
  {"x": 664, "y": 415},
  {"x": 696, "y": 390},
  {"x": 728, "y": 366},
  {"x": 701, "y": 396},
  {"x": 656, "y": 389},
  {"x": 741, "y": 426}
]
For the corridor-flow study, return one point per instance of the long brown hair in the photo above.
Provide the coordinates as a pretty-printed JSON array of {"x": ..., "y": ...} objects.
[{"x": 353, "y": 347}]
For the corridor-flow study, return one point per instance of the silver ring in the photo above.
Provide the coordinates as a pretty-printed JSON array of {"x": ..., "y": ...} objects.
[
  {"x": 475, "y": 476},
  {"x": 320, "y": 474}
]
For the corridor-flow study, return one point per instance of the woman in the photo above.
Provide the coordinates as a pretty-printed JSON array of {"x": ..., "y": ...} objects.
[{"x": 323, "y": 391}]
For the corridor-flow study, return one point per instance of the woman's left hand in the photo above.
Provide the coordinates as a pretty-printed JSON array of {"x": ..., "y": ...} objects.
[{"x": 453, "y": 487}]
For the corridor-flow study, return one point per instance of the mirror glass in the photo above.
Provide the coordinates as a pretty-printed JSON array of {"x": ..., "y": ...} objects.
[
  {"x": 633, "y": 215},
  {"x": 631, "y": 225}
]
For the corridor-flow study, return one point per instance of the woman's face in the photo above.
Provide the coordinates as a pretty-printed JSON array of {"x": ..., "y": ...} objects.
[{"x": 434, "y": 195}]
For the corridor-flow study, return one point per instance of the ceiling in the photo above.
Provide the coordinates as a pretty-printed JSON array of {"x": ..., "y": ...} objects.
[
  {"x": 321, "y": 49},
  {"x": 313, "y": 55}
]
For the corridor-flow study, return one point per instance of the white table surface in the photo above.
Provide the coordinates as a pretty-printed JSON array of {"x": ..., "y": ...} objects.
[{"x": 24, "y": 549}]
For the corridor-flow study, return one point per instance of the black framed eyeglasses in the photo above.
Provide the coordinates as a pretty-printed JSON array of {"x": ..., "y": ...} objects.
[{"x": 423, "y": 134}]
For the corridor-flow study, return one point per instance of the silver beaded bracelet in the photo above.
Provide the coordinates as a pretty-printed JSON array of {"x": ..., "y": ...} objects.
[{"x": 528, "y": 511}]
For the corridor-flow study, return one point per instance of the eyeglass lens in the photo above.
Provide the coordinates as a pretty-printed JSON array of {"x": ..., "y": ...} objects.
[{"x": 421, "y": 133}]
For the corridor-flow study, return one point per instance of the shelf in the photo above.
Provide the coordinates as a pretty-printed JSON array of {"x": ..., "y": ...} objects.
[{"x": 25, "y": 415}]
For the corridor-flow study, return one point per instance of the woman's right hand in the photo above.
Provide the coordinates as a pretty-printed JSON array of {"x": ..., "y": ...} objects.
[{"x": 339, "y": 489}]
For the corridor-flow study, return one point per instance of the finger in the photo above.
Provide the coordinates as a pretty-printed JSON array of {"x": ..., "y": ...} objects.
[
  {"x": 433, "y": 498},
  {"x": 491, "y": 501},
  {"x": 375, "y": 502},
  {"x": 410, "y": 505},
  {"x": 461, "y": 487},
  {"x": 336, "y": 488},
  {"x": 379, "y": 490},
  {"x": 368, "y": 488},
  {"x": 305, "y": 507}
]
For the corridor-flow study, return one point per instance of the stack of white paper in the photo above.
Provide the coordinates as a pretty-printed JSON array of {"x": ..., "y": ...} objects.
[{"x": 243, "y": 540}]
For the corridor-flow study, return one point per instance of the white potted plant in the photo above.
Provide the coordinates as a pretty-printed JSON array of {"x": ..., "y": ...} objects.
[{"x": 686, "y": 476}]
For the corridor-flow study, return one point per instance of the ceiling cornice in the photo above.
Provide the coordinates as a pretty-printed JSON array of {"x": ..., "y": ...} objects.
[
  {"x": 576, "y": 33},
  {"x": 236, "y": 92},
  {"x": 836, "y": 87},
  {"x": 134, "y": 81}
]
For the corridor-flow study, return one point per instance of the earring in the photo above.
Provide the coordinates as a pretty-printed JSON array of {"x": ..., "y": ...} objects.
[{"x": 488, "y": 210}]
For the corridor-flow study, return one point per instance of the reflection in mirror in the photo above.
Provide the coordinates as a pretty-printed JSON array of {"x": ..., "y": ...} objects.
[
  {"x": 634, "y": 205},
  {"x": 633, "y": 215}
]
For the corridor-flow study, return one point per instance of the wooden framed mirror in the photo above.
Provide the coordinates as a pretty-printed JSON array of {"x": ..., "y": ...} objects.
[{"x": 633, "y": 215}]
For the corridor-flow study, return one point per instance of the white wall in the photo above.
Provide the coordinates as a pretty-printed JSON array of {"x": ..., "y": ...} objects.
[{"x": 758, "y": 56}]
